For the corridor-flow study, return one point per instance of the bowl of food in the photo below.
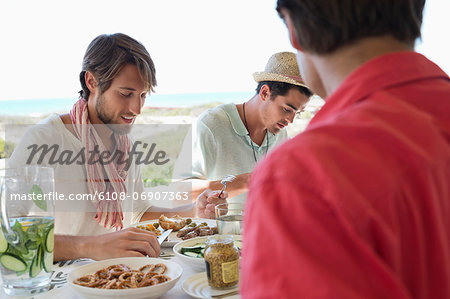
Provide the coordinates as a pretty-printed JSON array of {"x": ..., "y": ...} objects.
[
  {"x": 192, "y": 251},
  {"x": 130, "y": 277}
]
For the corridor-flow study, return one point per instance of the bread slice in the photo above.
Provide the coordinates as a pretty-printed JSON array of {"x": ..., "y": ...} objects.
[{"x": 175, "y": 223}]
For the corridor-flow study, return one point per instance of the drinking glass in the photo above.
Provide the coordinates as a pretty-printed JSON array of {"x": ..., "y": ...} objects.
[
  {"x": 27, "y": 229},
  {"x": 229, "y": 218}
]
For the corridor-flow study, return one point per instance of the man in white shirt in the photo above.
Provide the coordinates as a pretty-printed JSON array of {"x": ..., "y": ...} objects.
[{"x": 117, "y": 74}]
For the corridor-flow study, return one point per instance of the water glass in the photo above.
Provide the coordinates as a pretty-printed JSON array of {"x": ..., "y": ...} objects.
[{"x": 229, "y": 218}]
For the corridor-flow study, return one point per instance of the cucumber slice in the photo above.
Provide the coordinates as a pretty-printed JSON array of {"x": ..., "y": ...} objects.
[
  {"x": 50, "y": 240},
  {"x": 201, "y": 245},
  {"x": 3, "y": 242},
  {"x": 192, "y": 249},
  {"x": 192, "y": 254},
  {"x": 47, "y": 261},
  {"x": 13, "y": 262},
  {"x": 36, "y": 265},
  {"x": 28, "y": 262}
]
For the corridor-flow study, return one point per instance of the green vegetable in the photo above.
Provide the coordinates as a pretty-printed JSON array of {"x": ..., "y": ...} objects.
[
  {"x": 193, "y": 254},
  {"x": 38, "y": 197},
  {"x": 194, "y": 251},
  {"x": 31, "y": 249},
  {"x": 13, "y": 262},
  {"x": 50, "y": 240},
  {"x": 29, "y": 255},
  {"x": 19, "y": 232},
  {"x": 36, "y": 265},
  {"x": 47, "y": 261},
  {"x": 3, "y": 242},
  {"x": 31, "y": 245}
]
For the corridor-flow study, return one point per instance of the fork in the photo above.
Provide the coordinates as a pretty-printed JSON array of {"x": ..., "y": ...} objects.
[{"x": 229, "y": 178}]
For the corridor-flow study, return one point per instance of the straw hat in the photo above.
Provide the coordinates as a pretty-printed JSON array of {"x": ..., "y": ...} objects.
[{"x": 281, "y": 67}]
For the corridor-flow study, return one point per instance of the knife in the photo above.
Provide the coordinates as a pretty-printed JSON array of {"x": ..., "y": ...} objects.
[{"x": 163, "y": 236}]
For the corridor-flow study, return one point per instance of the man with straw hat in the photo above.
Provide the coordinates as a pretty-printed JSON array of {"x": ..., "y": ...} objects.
[{"x": 231, "y": 139}]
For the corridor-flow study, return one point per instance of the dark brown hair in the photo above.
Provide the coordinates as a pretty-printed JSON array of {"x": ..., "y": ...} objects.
[
  {"x": 322, "y": 26},
  {"x": 282, "y": 88},
  {"x": 107, "y": 54}
]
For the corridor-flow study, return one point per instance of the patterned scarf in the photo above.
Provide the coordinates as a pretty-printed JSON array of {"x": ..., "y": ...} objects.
[{"x": 102, "y": 179}]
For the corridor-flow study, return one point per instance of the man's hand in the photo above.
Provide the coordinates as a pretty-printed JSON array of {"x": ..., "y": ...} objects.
[
  {"x": 207, "y": 201},
  {"x": 238, "y": 186},
  {"x": 128, "y": 242}
]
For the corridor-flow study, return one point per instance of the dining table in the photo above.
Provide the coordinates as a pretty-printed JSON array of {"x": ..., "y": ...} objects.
[{"x": 59, "y": 287}]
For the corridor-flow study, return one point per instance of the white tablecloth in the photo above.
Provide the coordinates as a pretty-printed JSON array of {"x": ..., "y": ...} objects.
[{"x": 60, "y": 289}]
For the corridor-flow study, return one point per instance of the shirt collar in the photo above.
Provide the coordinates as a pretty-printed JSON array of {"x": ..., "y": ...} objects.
[
  {"x": 240, "y": 129},
  {"x": 376, "y": 74},
  {"x": 235, "y": 120}
]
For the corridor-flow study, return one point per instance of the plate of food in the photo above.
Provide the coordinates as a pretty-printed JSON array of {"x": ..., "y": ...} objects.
[
  {"x": 191, "y": 251},
  {"x": 183, "y": 228},
  {"x": 131, "y": 277}
]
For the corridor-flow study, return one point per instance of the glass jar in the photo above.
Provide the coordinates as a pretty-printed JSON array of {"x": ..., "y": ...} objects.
[{"x": 222, "y": 262}]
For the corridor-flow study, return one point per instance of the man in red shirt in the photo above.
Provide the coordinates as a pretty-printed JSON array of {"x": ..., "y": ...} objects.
[{"x": 358, "y": 205}]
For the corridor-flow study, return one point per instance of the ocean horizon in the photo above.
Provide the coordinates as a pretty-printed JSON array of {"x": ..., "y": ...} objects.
[{"x": 37, "y": 107}]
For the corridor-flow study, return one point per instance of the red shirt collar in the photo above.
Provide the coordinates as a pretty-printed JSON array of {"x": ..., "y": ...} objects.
[{"x": 378, "y": 73}]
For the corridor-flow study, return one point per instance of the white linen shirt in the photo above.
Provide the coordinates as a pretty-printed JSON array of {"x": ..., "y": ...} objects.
[{"x": 76, "y": 217}]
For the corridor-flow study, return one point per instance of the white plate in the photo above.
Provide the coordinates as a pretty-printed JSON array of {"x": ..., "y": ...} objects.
[
  {"x": 173, "y": 239},
  {"x": 196, "y": 263},
  {"x": 174, "y": 271},
  {"x": 197, "y": 287}
]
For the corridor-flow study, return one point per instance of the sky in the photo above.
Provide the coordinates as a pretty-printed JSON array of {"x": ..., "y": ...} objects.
[{"x": 197, "y": 45}]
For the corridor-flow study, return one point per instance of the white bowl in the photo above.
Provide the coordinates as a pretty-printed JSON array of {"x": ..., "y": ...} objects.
[
  {"x": 173, "y": 271},
  {"x": 196, "y": 263}
]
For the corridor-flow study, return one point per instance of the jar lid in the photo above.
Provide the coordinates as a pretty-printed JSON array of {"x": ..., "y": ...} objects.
[{"x": 219, "y": 239}]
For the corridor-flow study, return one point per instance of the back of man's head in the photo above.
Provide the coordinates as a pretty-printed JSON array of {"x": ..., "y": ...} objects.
[
  {"x": 107, "y": 54},
  {"x": 322, "y": 26}
]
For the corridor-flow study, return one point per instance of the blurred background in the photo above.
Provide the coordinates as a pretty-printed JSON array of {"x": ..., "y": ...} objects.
[{"x": 205, "y": 52}]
